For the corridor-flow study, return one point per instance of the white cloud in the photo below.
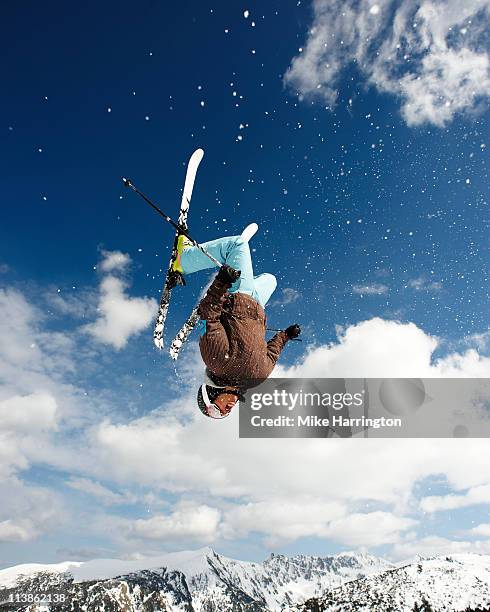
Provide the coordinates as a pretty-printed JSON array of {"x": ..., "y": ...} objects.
[
  {"x": 30, "y": 413},
  {"x": 470, "y": 364},
  {"x": 369, "y": 529},
  {"x": 12, "y": 457},
  {"x": 382, "y": 348},
  {"x": 475, "y": 495},
  {"x": 30, "y": 358},
  {"x": 193, "y": 456},
  {"x": 28, "y": 511},
  {"x": 114, "y": 261},
  {"x": 374, "y": 289},
  {"x": 18, "y": 349},
  {"x": 35, "y": 400},
  {"x": 120, "y": 316},
  {"x": 12, "y": 531},
  {"x": 268, "y": 518},
  {"x": 369, "y": 349},
  {"x": 202, "y": 457},
  {"x": 181, "y": 455},
  {"x": 286, "y": 520},
  {"x": 432, "y": 546},
  {"x": 481, "y": 530},
  {"x": 188, "y": 522},
  {"x": 34, "y": 397},
  {"x": 197, "y": 454},
  {"x": 429, "y": 54}
]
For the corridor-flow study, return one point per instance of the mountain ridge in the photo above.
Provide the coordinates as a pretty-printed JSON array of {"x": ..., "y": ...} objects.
[{"x": 205, "y": 581}]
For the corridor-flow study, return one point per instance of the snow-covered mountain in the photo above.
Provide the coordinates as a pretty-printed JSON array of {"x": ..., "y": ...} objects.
[
  {"x": 148, "y": 590},
  {"x": 204, "y": 581},
  {"x": 456, "y": 583},
  {"x": 300, "y": 577}
]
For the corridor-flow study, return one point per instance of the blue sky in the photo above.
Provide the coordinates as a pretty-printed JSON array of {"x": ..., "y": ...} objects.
[{"x": 363, "y": 155}]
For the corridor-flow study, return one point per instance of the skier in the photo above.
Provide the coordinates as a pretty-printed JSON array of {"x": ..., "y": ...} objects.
[{"x": 232, "y": 321}]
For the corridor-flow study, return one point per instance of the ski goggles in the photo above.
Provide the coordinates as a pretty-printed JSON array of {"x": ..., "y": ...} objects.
[
  {"x": 239, "y": 395},
  {"x": 212, "y": 409}
]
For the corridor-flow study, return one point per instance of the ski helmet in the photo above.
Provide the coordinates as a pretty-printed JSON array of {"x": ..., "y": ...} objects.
[{"x": 205, "y": 400}]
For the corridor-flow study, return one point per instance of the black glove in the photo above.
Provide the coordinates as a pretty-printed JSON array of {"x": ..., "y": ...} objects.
[
  {"x": 293, "y": 331},
  {"x": 228, "y": 275}
]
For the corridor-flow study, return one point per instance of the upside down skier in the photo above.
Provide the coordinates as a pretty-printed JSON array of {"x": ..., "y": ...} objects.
[{"x": 232, "y": 321}]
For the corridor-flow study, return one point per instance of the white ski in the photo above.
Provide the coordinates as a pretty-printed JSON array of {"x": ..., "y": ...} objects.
[
  {"x": 183, "y": 334},
  {"x": 192, "y": 167}
]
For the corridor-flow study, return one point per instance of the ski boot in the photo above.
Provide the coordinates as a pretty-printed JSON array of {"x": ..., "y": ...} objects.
[{"x": 182, "y": 243}]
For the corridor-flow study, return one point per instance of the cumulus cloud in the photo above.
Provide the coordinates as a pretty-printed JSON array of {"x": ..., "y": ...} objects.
[
  {"x": 188, "y": 522},
  {"x": 195, "y": 456},
  {"x": 278, "y": 520},
  {"x": 39, "y": 402},
  {"x": 430, "y": 54},
  {"x": 285, "y": 520},
  {"x": 29, "y": 413},
  {"x": 120, "y": 316},
  {"x": 481, "y": 530},
  {"x": 180, "y": 453},
  {"x": 18, "y": 348},
  {"x": 383, "y": 348},
  {"x": 30, "y": 358},
  {"x": 317, "y": 488},
  {"x": 369, "y": 529},
  {"x": 15, "y": 531},
  {"x": 28, "y": 511},
  {"x": 34, "y": 398},
  {"x": 475, "y": 495},
  {"x": 242, "y": 484},
  {"x": 267, "y": 517}
]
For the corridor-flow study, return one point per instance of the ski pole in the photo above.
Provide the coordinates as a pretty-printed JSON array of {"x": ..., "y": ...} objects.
[
  {"x": 177, "y": 227},
  {"x": 277, "y": 330}
]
